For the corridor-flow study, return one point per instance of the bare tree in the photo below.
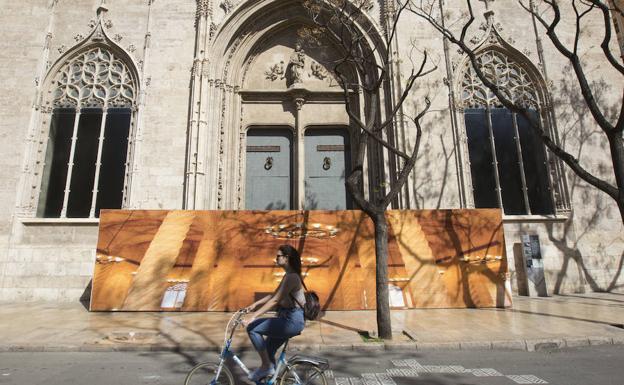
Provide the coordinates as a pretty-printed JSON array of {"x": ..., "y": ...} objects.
[
  {"x": 365, "y": 66},
  {"x": 431, "y": 10}
]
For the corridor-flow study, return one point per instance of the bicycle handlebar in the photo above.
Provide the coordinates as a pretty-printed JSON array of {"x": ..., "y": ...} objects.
[{"x": 234, "y": 321}]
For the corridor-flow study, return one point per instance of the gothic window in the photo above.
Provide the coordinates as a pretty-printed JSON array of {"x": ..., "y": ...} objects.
[
  {"x": 85, "y": 161},
  {"x": 508, "y": 163}
]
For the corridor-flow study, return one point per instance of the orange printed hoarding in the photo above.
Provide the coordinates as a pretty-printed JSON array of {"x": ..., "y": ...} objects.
[{"x": 150, "y": 260}]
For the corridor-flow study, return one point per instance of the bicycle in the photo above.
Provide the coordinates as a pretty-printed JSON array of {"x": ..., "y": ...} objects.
[{"x": 297, "y": 370}]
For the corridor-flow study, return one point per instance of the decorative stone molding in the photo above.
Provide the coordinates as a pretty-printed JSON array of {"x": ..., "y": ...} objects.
[
  {"x": 205, "y": 63},
  {"x": 299, "y": 102},
  {"x": 227, "y": 6},
  {"x": 195, "y": 67},
  {"x": 318, "y": 71},
  {"x": 276, "y": 71},
  {"x": 48, "y": 40},
  {"x": 203, "y": 9},
  {"x": 212, "y": 31}
]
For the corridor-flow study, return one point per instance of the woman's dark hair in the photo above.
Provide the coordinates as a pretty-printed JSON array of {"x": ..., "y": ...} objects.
[{"x": 294, "y": 260}]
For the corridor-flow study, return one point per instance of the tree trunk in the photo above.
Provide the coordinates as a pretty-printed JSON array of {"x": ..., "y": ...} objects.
[
  {"x": 384, "y": 324},
  {"x": 616, "y": 144}
]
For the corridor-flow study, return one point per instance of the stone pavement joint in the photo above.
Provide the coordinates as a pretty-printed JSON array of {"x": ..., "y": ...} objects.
[{"x": 533, "y": 324}]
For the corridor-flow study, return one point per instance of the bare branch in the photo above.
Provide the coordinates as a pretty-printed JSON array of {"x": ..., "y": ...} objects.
[
  {"x": 575, "y": 61},
  {"x": 605, "y": 45},
  {"x": 567, "y": 158},
  {"x": 411, "y": 162}
]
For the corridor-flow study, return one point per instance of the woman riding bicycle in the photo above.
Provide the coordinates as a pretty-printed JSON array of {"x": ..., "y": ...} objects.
[{"x": 268, "y": 334}]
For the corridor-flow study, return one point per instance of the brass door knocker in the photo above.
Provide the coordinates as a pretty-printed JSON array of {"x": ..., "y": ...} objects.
[
  {"x": 326, "y": 163},
  {"x": 269, "y": 163}
]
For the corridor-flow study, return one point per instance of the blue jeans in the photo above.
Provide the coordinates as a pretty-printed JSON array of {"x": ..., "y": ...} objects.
[{"x": 288, "y": 323}]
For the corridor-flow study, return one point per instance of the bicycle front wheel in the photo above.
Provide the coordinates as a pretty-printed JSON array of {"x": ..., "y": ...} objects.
[
  {"x": 303, "y": 373},
  {"x": 206, "y": 374}
]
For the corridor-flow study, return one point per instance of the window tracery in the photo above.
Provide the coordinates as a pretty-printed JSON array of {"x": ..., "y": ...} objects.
[
  {"x": 513, "y": 80},
  {"x": 92, "y": 79}
]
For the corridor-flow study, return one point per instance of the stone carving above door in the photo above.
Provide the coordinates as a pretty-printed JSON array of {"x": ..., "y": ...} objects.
[{"x": 291, "y": 66}]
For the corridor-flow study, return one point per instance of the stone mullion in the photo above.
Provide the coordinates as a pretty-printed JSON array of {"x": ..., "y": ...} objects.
[
  {"x": 494, "y": 158},
  {"x": 70, "y": 164},
  {"x": 525, "y": 193},
  {"x": 98, "y": 163}
]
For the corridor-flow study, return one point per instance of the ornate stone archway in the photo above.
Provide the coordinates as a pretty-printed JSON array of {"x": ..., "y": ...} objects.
[{"x": 245, "y": 75}]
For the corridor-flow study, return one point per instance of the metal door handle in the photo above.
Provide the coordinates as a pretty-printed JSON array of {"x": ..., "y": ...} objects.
[
  {"x": 269, "y": 163},
  {"x": 326, "y": 163}
]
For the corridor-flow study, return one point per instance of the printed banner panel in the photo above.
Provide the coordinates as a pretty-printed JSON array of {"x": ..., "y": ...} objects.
[{"x": 178, "y": 260}]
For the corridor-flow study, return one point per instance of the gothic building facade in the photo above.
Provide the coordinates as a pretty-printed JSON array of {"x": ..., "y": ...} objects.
[{"x": 221, "y": 104}]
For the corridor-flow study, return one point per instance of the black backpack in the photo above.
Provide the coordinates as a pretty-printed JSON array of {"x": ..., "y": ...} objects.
[{"x": 312, "y": 307}]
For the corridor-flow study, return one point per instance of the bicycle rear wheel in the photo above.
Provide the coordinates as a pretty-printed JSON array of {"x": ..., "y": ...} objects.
[
  {"x": 205, "y": 372},
  {"x": 303, "y": 373}
]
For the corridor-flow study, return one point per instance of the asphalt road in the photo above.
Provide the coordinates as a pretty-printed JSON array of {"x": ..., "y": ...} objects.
[{"x": 598, "y": 365}]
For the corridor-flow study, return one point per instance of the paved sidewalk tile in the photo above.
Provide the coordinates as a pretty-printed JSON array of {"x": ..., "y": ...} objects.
[{"x": 531, "y": 324}]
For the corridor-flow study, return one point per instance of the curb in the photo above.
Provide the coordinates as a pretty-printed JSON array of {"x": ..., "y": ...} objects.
[{"x": 530, "y": 345}]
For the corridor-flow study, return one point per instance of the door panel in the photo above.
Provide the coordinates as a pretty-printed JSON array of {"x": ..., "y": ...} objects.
[
  {"x": 269, "y": 170},
  {"x": 327, "y": 156}
]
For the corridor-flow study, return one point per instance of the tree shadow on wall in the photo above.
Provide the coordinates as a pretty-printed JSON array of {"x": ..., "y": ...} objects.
[
  {"x": 578, "y": 132},
  {"x": 459, "y": 244},
  {"x": 432, "y": 169}
]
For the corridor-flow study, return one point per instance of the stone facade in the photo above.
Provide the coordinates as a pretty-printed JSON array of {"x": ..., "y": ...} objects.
[{"x": 203, "y": 73}]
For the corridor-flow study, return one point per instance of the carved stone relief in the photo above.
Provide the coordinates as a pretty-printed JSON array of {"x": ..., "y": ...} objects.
[{"x": 293, "y": 68}]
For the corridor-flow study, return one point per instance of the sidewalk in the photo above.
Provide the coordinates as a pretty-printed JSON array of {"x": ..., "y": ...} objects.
[{"x": 532, "y": 324}]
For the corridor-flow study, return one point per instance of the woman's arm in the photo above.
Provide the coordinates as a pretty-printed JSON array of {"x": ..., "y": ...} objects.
[
  {"x": 261, "y": 301},
  {"x": 284, "y": 288}
]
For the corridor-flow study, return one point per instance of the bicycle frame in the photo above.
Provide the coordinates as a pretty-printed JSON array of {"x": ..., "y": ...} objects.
[{"x": 226, "y": 353}]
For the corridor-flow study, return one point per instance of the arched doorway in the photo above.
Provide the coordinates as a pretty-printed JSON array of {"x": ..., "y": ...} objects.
[{"x": 260, "y": 73}]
